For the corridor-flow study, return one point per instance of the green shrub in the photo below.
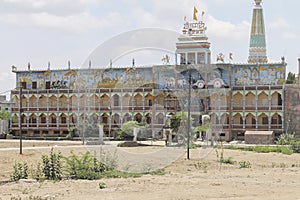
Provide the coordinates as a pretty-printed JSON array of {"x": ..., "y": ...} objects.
[
  {"x": 221, "y": 159},
  {"x": 102, "y": 185},
  {"x": 286, "y": 139},
  {"x": 295, "y": 146},
  {"x": 38, "y": 173},
  {"x": 69, "y": 136},
  {"x": 227, "y": 161},
  {"x": 20, "y": 171},
  {"x": 52, "y": 168},
  {"x": 84, "y": 167},
  {"x": 287, "y": 150},
  {"x": 245, "y": 164}
]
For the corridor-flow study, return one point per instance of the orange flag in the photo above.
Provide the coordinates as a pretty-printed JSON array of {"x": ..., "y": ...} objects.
[{"x": 195, "y": 14}]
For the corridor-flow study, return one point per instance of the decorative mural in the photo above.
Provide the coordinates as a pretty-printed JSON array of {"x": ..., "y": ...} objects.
[
  {"x": 218, "y": 77},
  {"x": 165, "y": 77},
  {"x": 258, "y": 75},
  {"x": 86, "y": 78},
  {"x": 170, "y": 78}
]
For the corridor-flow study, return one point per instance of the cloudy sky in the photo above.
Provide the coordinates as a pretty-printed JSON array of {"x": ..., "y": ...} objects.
[{"x": 38, "y": 31}]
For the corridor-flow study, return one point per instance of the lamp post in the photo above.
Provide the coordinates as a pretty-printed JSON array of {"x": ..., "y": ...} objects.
[
  {"x": 20, "y": 118},
  {"x": 188, "y": 73},
  {"x": 109, "y": 128},
  {"x": 189, "y": 116}
]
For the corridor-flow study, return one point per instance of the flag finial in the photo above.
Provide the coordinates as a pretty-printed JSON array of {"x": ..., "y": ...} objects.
[{"x": 195, "y": 14}]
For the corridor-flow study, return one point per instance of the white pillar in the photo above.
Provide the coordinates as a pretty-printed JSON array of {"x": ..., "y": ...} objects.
[
  {"x": 135, "y": 134},
  {"x": 101, "y": 133}
]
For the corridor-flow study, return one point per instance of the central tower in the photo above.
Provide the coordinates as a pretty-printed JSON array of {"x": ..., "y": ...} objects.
[
  {"x": 193, "y": 46},
  {"x": 258, "y": 50}
]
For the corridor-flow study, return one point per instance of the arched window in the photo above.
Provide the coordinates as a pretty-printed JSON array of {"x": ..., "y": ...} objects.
[
  {"x": 138, "y": 117},
  {"x": 43, "y": 119},
  {"x": 160, "y": 119},
  {"x": 116, "y": 100}
]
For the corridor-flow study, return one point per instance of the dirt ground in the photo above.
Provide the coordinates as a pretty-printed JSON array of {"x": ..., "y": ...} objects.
[{"x": 271, "y": 176}]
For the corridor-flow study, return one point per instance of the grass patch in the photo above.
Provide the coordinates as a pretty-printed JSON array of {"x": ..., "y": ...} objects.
[
  {"x": 120, "y": 174},
  {"x": 229, "y": 161},
  {"x": 295, "y": 146},
  {"x": 268, "y": 149},
  {"x": 264, "y": 149}
]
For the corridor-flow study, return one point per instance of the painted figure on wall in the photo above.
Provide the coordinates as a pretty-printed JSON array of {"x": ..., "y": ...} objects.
[{"x": 264, "y": 75}]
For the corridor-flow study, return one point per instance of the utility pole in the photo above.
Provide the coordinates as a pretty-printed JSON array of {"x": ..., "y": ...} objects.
[
  {"x": 20, "y": 117},
  {"x": 189, "y": 116}
]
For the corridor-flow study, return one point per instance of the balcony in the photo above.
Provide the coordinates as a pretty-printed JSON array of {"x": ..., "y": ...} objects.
[
  {"x": 277, "y": 108},
  {"x": 253, "y": 127},
  {"x": 237, "y": 108},
  {"x": 218, "y": 108},
  {"x": 138, "y": 108},
  {"x": 260, "y": 107},
  {"x": 219, "y": 126}
]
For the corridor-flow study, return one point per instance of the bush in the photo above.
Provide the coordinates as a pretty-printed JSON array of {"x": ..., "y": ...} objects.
[
  {"x": 38, "y": 172},
  {"x": 227, "y": 160},
  {"x": 102, "y": 185},
  {"x": 245, "y": 164},
  {"x": 20, "y": 171},
  {"x": 84, "y": 167},
  {"x": 287, "y": 150},
  {"x": 51, "y": 168},
  {"x": 286, "y": 139},
  {"x": 295, "y": 146}
]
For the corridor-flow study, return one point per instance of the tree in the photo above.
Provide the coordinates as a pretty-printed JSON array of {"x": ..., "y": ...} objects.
[
  {"x": 202, "y": 128},
  {"x": 127, "y": 129},
  {"x": 88, "y": 128},
  {"x": 179, "y": 125},
  {"x": 291, "y": 78},
  {"x": 4, "y": 115},
  {"x": 129, "y": 126},
  {"x": 180, "y": 120},
  {"x": 72, "y": 131}
]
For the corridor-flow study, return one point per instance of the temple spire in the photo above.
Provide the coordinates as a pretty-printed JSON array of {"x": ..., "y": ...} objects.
[{"x": 258, "y": 50}]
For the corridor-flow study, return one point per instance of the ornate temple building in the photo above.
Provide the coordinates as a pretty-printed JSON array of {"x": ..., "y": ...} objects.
[
  {"x": 237, "y": 97},
  {"x": 258, "y": 87}
]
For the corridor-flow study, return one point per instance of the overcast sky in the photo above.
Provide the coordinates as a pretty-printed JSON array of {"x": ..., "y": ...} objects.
[{"x": 38, "y": 31}]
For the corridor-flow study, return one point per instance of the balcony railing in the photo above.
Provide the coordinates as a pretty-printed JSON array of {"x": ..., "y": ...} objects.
[
  {"x": 16, "y": 126},
  {"x": 219, "y": 126},
  {"x": 259, "y": 107},
  {"x": 260, "y": 126}
]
